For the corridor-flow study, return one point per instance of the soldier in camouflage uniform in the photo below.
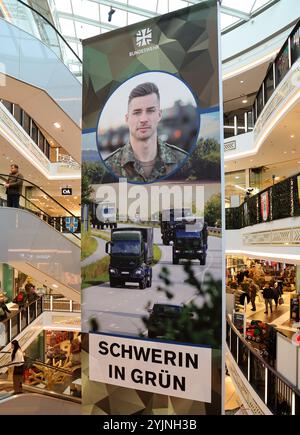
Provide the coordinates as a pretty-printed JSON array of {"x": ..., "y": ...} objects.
[{"x": 144, "y": 158}]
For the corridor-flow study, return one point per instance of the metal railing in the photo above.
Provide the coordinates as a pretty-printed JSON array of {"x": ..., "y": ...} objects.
[
  {"x": 54, "y": 303},
  {"x": 17, "y": 322},
  {"x": 44, "y": 378},
  {"x": 277, "y": 393},
  {"x": 279, "y": 201},
  {"x": 244, "y": 120},
  {"x": 59, "y": 223},
  {"x": 33, "y": 22}
]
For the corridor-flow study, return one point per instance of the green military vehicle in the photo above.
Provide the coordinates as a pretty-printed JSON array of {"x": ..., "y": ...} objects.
[
  {"x": 168, "y": 219},
  {"x": 190, "y": 241},
  {"x": 131, "y": 255}
]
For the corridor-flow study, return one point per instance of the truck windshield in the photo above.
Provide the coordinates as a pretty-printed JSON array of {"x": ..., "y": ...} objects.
[{"x": 126, "y": 247}]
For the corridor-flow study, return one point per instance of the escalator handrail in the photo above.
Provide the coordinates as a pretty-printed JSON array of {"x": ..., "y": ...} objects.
[
  {"x": 45, "y": 214},
  {"x": 53, "y": 27},
  {"x": 37, "y": 362},
  {"x": 44, "y": 392},
  {"x": 27, "y": 304},
  {"x": 5, "y": 176}
]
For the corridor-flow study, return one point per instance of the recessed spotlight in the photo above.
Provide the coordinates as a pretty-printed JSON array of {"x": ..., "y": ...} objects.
[
  {"x": 292, "y": 136},
  {"x": 293, "y": 151},
  {"x": 251, "y": 160},
  {"x": 237, "y": 177},
  {"x": 242, "y": 81},
  {"x": 55, "y": 285},
  {"x": 56, "y": 124},
  {"x": 284, "y": 152},
  {"x": 244, "y": 101}
]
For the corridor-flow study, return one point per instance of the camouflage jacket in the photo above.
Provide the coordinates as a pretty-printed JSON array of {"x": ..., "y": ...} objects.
[{"x": 123, "y": 163}]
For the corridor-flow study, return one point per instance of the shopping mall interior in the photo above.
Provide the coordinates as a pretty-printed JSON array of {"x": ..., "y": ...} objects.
[{"x": 40, "y": 132}]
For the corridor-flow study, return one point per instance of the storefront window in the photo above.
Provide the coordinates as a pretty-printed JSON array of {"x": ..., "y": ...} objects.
[
  {"x": 295, "y": 45},
  {"x": 269, "y": 84},
  {"x": 256, "y": 178},
  {"x": 260, "y": 101},
  {"x": 235, "y": 188},
  {"x": 18, "y": 113},
  {"x": 26, "y": 123},
  {"x": 8, "y": 105},
  {"x": 42, "y": 141},
  {"x": 282, "y": 64},
  {"x": 34, "y": 132}
]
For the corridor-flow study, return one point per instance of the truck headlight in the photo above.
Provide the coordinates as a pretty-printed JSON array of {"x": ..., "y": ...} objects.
[
  {"x": 113, "y": 271},
  {"x": 139, "y": 272}
]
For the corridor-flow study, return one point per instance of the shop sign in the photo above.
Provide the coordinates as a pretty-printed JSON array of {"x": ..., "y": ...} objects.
[{"x": 65, "y": 191}]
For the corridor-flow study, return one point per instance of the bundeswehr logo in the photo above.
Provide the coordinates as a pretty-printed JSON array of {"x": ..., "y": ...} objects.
[{"x": 143, "y": 37}]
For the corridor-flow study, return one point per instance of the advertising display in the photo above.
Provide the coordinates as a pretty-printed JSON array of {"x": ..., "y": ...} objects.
[
  {"x": 151, "y": 208},
  {"x": 265, "y": 205}
]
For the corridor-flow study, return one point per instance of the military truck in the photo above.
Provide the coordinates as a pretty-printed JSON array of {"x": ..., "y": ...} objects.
[
  {"x": 190, "y": 240},
  {"x": 104, "y": 214},
  {"x": 131, "y": 255},
  {"x": 167, "y": 220}
]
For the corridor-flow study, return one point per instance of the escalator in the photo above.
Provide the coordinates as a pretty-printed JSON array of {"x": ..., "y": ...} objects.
[
  {"x": 41, "y": 245},
  {"x": 47, "y": 390}
]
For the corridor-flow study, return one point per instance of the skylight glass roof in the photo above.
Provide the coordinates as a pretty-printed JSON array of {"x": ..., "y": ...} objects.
[{"x": 81, "y": 19}]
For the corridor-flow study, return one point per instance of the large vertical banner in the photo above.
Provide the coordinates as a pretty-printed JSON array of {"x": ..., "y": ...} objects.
[{"x": 151, "y": 198}]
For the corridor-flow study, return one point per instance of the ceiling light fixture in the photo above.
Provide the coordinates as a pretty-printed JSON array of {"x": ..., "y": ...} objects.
[
  {"x": 55, "y": 285},
  {"x": 292, "y": 136},
  {"x": 244, "y": 101},
  {"x": 242, "y": 81},
  {"x": 56, "y": 124}
]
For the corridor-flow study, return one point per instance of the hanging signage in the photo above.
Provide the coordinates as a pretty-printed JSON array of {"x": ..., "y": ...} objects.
[
  {"x": 265, "y": 205},
  {"x": 151, "y": 146},
  {"x": 71, "y": 224},
  {"x": 66, "y": 191},
  {"x": 161, "y": 368}
]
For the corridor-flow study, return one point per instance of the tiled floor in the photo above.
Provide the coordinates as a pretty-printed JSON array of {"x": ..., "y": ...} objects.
[{"x": 279, "y": 317}]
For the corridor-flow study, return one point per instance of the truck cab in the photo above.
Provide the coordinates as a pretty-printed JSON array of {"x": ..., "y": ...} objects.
[
  {"x": 168, "y": 218},
  {"x": 190, "y": 241},
  {"x": 131, "y": 255}
]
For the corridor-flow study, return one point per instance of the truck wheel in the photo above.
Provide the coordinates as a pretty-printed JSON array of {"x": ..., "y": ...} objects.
[
  {"x": 149, "y": 281},
  {"x": 142, "y": 284},
  {"x": 202, "y": 260},
  {"x": 113, "y": 283},
  {"x": 115, "y": 225},
  {"x": 151, "y": 334},
  {"x": 101, "y": 226}
]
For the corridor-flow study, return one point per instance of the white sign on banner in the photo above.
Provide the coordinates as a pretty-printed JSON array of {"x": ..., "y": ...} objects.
[{"x": 162, "y": 368}]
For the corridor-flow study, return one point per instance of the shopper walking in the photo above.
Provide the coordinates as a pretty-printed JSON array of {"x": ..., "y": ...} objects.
[
  {"x": 14, "y": 186},
  {"x": 277, "y": 293},
  {"x": 253, "y": 290},
  {"x": 17, "y": 358},
  {"x": 268, "y": 296}
]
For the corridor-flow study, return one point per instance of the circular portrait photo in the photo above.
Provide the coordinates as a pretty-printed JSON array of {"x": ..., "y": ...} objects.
[{"x": 148, "y": 127}]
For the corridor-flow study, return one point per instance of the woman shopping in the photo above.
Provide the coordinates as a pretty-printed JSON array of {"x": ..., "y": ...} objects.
[{"x": 17, "y": 358}]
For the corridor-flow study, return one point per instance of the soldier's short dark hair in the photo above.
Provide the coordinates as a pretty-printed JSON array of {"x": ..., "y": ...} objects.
[
  {"x": 13, "y": 165},
  {"x": 142, "y": 90}
]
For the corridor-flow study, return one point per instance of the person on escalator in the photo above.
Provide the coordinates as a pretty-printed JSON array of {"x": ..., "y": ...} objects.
[
  {"x": 17, "y": 358},
  {"x": 13, "y": 186},
  {"x": 3, "y": 308},
  {"x": 21, "y": 299}
]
